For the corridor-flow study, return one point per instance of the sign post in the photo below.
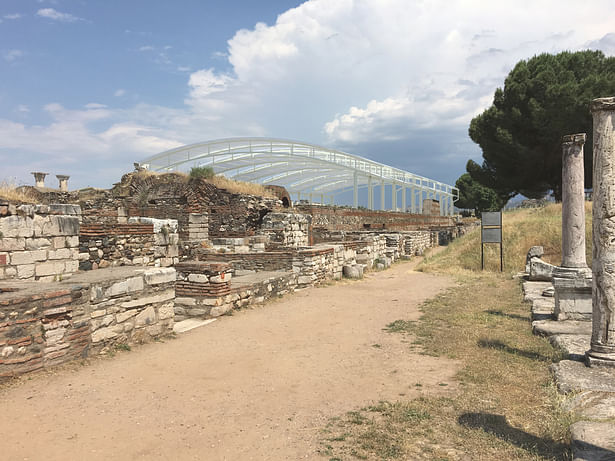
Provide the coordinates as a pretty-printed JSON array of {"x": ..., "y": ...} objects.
[{"x": 491, "y": 232}]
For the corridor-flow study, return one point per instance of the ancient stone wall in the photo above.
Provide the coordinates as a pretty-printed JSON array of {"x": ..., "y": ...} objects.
[
  {"x": 39, "y": 242},
  {"x": 288, "y": 230},
  {"x": 262, "y": 261},
  {"x": 42, "y": 325},
  {"x": 149, "y": 243},
  {"x": 416, "y": 242},
  {"x": 350, "y": 219}
]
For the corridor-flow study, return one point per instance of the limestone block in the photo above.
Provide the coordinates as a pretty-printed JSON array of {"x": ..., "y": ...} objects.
[
  {"x": 125, "y": 286},
  {"x": 58, "y": 225},
  {"x": 166, "y": 311},
  {"x": 62, "y": 253},
  {"x": 123, "y": 316},
  {"x": 223, "y": 277},
  {"x": 83, "y": 256},
  {"x": 146, "y": 317},
  {"x": 541, "y": 270},
  {"x": 49, "y": 268},
  {"x": 353, "y": 272},
  {"x": 72, "y": 241},
  {"x": 198, "y": 278},
  {"x": 59, "y": 242},
  {"x": 185, "y": 301},
  {"x": 98, "y": 313},
  {"x": 16, "y": 226},
  {"x": 573, "y": 298},
  {"x": 158, "y": 298},
  {"x": 158, "y": 276},
  {"x": 103, "y": 334},
  {"x": 37, "y": 243},
  {"x": 12, "y": 244},
  {"x": 220, "y": 310},
  {"x": 71, "y": 266},
  {"x": 64, "y": 209}
]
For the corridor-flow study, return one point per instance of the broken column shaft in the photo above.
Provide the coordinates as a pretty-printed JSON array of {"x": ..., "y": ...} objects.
[
  {"x": 63, "y": 180},
  {"x": 603, "y": 265},
  {"x": 39, "y": 178},
  {"x": 573, "y": 201}
]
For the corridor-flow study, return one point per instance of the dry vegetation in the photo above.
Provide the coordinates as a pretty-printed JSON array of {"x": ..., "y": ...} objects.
[
  {"x": 506, "y": 406},
  {"x": 11, "y": 192}
]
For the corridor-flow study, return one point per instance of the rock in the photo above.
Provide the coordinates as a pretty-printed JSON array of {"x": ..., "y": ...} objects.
[
  {"x": 353, "y": 272},
  {"x": 574, "y": 346},
  {"x": 548, "y": 292},
  {"x": 571, "y": 376},
  {"x": 593, "y": 441},
  {"x": 541, "y": 270},
  {"x": 567, "y": 327},
  {"x": 534, "y": 252}
]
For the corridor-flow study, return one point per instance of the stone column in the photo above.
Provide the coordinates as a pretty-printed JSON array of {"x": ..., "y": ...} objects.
[
  {"x": 39, "y": 178},
  {"x": 573, "y": 201},
  {"x": 63, "y": 180},
  {"x": 603, "y": 287}
]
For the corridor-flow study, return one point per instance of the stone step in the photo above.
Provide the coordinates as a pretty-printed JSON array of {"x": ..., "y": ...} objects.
[{"x": 190, "y": 324}]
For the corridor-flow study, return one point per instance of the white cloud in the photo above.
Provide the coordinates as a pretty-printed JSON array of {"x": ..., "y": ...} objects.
[
  {"x": 22, "y": 108},
  {"x": 51, "y": 13},
  {"x": 12, "y": 16},
  {"x": 397, "y": 80},
  {"x": 119, "y": 93},
  {"x": 12, "y": 55}
]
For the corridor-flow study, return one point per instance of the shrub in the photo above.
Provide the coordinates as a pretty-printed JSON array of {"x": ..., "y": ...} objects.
[{"x": 201, "y": 172}]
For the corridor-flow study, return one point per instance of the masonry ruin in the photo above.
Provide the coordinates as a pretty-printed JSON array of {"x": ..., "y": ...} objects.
[{"x": 84, "y": 271}]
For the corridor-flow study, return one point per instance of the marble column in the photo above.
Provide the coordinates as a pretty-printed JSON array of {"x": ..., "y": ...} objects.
[
  {"x": 602, "y": 350},
  {"x": 63, "y": 181},
  {"x": 39, "y": 178},
  {"x": 573, "y": 201}
]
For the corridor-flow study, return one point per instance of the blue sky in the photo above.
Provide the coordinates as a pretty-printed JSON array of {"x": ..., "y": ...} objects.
[{"x": 89, "y": 87}]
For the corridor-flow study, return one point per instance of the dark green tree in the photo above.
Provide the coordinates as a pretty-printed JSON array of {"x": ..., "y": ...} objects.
[
  {"x": 544, "y": 98},
  {"x": 475, "y": 196}
]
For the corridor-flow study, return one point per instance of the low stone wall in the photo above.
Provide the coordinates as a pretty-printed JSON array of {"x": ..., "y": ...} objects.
[
  {"x": 42, "y": 325},
  {"x": 258, "y": 262},
  {"x": 202, "y": 289},
  {"x": 416, "y": 242},
  {"x": 288, "y": 230},
  {"x": 39, "y": 242},
  {"x": 141, "y": 242}
]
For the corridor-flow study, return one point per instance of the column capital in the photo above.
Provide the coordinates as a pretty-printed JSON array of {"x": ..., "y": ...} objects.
[
  {"x": 602, "y": 104},
  {"x": 578, "y": 138}
]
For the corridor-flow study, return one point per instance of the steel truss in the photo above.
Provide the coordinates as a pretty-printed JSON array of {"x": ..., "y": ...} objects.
[{"x": 308, "y": 171}]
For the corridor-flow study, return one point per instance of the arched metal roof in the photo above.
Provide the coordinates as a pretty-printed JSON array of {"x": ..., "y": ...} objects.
[{"x": 305, "y": 170}]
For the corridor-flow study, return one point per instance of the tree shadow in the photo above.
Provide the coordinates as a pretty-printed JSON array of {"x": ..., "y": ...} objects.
[
  {"x": 510, "y": 316},
  {"x": 499, "y": 345},
  {"x": 498, "y": 426}
]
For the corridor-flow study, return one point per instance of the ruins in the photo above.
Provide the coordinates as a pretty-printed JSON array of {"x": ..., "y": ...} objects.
[{"x": 84, "y": 271}]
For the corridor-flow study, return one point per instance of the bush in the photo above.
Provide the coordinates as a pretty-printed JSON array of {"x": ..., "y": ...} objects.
[{"x": 202, "y": 172}]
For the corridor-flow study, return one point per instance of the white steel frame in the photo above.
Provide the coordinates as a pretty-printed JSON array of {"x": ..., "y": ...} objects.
[{"x": 307, "y": 171}]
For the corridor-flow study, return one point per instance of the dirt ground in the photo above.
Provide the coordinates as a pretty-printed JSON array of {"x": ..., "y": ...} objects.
[{"x": 260, "y": 384}]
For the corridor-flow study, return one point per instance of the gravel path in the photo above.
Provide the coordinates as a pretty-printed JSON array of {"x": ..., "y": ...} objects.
[{"x": 260, "y": 384}]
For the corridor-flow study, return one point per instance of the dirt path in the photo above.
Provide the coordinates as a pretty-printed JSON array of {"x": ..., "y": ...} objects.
[{"x": 258, "y": 385}]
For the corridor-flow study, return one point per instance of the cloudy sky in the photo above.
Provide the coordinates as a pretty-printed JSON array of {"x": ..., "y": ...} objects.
[{"x": 89, "y": 87}]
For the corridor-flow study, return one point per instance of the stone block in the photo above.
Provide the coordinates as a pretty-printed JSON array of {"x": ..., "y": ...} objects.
[
  {"x": 221, "y": 278},
  {"x": 72, "y": 241},
  {"x": 49, "y": 268},
  {"x": 541, "y": 270},
  {"x": 22, "y": 257},
  {"x": 198, "y": 278},
  {"x": 103, "y": 334},
  {"x": 217, "y": 311},
  {"x": 158, "y": 276},
  {"x": 158, "y": 298},
  {"x": 12, "y": 244},
  {"x": 62, "y": 253},
  {"x": 573, "y": 298},
  {"x": 123, "y": 316},
  {"x": 58, "y": 225},
  {"x": 125, "y": 286},
  {"x": 166, "y": 311},
  {"x": 146, "y": 317},
  {"x": 37, "y": 243},
  {"x": 16, "y": 226}
]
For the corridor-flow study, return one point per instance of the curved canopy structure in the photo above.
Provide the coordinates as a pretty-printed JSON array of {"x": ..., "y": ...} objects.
[{"x": 308, "y": 172}]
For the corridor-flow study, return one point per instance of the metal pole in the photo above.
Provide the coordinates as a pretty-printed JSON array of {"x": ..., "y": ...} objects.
[
  {"x": 404, "y": 191},
  {"x": 382, "y": 194}
]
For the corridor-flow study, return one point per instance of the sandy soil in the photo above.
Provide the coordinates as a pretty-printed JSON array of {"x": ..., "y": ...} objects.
[{"x": 259, "y": 385}]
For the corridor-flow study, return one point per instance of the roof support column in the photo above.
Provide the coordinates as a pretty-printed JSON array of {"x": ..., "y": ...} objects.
[
  {"x": 451, "y": 206},
  {"x": 382, "y": 194},
  {"x": 412, "y": 199},
  {"x": 393, "y": 196},
  {"x": 403, "y": 198},
  {"x": 310, "y": 197},
  {"x": 420, "y": 201},
  {"x": 370, "y": 193},
  {"x": 355, "y": 191}
]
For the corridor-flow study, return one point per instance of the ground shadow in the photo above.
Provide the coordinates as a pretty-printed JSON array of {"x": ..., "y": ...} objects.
[
  {"x": 543, "y": 447},
  {"x": 498, "y": 426},
  {"x": 499, "y": 345},
  {"x": 510, "y": 316}
]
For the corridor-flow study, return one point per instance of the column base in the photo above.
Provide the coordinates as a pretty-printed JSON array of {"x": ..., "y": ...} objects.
[
  {"x": 573, "y": 296},
  {"x": 572, "y": 272},
  {"x": 598, "y": 359}
]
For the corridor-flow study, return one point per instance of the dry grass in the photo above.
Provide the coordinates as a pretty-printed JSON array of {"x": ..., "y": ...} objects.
[
  {"x": 240, "y": 187},
  {"x": 522, "y": 229},
  {"x": 506, "y": 406},
  {"x": 11, "y": 192}
]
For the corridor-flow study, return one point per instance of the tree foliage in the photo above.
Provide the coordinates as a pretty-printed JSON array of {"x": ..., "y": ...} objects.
[
  {"x": 477, "y": 197},
  {"x": 544, "y": 98}
]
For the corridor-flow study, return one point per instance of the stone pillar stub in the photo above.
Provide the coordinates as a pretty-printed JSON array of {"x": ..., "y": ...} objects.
[
  {"x": 63, "y": 180},
  {"x": 39, "y": 178},
  {"x": 573, "y": 201},
  {"x": 603, "y": 229}
]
